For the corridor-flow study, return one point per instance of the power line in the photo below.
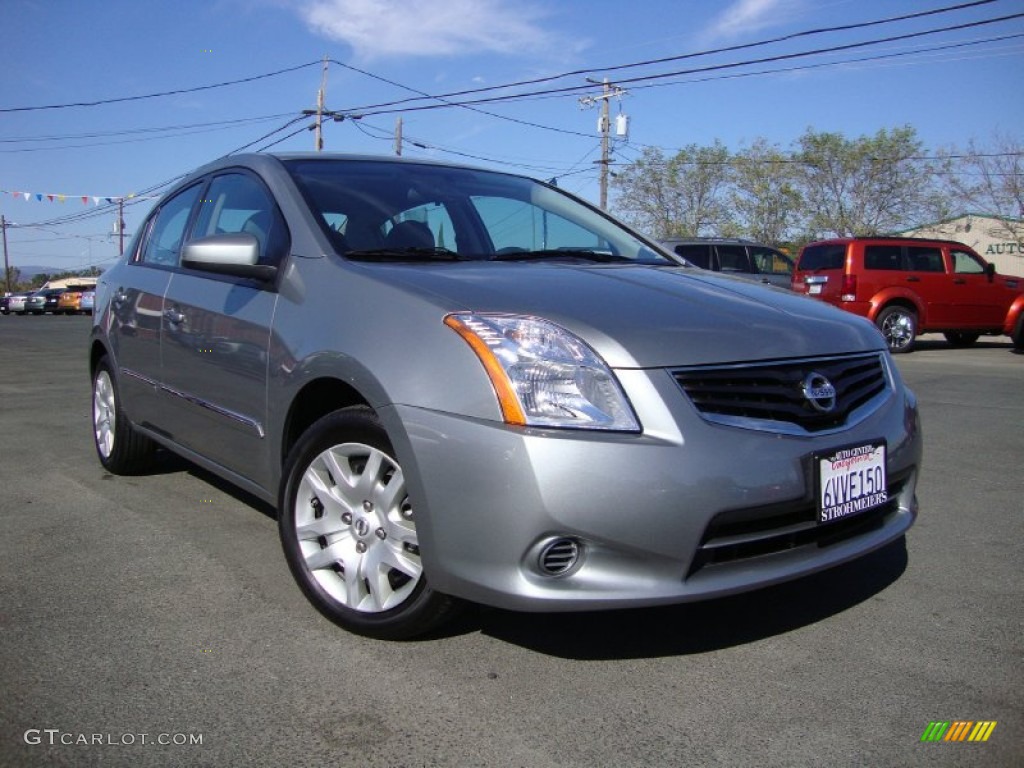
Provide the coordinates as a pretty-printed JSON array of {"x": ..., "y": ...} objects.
[
  {"x": 444, "y": 101},
  {"x": 680, "y": 57},
  {"x": 569, "y": 90},
  {"x": 177, "y": 91}
]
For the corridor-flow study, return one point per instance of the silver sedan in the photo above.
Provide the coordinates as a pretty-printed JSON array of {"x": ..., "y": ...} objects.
[{"x": 460, "y": 385}]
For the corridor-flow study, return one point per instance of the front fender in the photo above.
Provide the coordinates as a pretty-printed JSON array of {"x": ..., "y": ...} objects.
[{"x": 1016, "y": 310}]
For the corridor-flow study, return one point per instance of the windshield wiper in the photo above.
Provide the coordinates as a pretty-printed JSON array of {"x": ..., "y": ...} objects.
[
  {"x": 560, "y": 253},
  {"x": 404, "y": 254}
]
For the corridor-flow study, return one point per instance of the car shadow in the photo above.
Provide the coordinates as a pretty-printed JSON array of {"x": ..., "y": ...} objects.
[
  {"x": 692, "y": 628},
  {"x": 924, "y": 343},
  {"x": 167, "y": 463}
]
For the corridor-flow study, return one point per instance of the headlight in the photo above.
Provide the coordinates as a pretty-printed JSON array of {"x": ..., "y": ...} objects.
[{"x": 543, "y": 375}]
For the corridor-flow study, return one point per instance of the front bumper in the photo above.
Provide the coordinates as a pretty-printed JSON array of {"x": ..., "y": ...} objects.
[{"x": 685, "y": 511}]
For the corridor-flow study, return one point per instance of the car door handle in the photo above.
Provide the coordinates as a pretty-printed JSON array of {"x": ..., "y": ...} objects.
[
  {"x": 913, "y": 279},
  {"x": 174, "y": 317},
  {"x": 959, "y": 281}
]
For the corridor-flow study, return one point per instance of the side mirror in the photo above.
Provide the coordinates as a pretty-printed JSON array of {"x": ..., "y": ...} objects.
[
  {"x": 990, "y": 271},
  {"x": 233, "y": 254}
]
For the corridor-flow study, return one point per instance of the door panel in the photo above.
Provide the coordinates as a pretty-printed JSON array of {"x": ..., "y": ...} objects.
[
  {"x": 136, "y": 305},
  {"x": 980, "y": 301},
  {"x": 216, "y": 335}
]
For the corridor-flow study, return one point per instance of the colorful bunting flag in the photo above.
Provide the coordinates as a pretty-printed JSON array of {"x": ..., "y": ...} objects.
[{"x": 61, "y": 198}]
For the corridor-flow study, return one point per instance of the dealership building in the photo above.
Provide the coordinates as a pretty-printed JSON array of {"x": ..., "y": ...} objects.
[{"x": 997, "y": 239}]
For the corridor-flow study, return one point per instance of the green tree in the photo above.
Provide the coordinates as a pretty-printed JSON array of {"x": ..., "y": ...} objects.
[
  {"x": 685, "y": 195},
  {"x": 866, "y": 186},
  {"x": 765, "y": 196}
]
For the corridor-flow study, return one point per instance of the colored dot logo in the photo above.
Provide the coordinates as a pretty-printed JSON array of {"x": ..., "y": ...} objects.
[{"x": 958, "y": 730}]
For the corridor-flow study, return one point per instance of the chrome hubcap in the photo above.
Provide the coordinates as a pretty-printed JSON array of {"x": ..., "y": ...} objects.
[
  {"x": 898, "y": 330},
  {"x": 355, "y": 528},
  {"x": 104, "y": 414}
]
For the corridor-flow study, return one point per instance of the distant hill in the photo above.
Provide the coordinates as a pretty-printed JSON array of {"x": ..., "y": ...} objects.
[{"x": 27, "y": 273}]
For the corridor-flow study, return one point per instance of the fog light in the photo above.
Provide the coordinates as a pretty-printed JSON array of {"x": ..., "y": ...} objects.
[{"x": 559, "y": 557}]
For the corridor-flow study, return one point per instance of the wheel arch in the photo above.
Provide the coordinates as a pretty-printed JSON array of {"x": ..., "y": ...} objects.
[
  {"x": 97, "y": 351},
  {"x": 315, "y": 400},
  {"x": 882, "y": 301}
]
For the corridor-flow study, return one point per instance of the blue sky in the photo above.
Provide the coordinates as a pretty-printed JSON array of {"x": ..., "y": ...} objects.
[{"x": 62, "y": 52}]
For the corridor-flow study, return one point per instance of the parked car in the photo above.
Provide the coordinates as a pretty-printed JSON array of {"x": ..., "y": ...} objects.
[
  {"x": 70, "y": 302},
  {"x": 87, "y": 301},
  {"x": 42, "y": 301},
  {"x": 53, "y": 299},
  {"x": 14, "y": 304},
  {"x": 463, "y": 385},
  {"x": 908, "y": 286},
  {"x": 741, "y": 258}
]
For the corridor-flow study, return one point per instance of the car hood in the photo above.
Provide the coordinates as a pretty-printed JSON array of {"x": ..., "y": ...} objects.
[{"x": 646, "y": 316}]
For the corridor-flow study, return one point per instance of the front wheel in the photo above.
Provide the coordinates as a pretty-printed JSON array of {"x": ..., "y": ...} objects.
[
  {"x": 348, "y": 530},
  {"x": 1017, "y": 337},
  {"x": 899, "y": 327}
]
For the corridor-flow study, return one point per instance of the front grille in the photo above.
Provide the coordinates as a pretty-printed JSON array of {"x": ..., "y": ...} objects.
[
  {"x": 771, "y": 395},
  {"x": 740, "y": 535}
]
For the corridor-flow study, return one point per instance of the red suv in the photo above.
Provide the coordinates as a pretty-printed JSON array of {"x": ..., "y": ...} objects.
[{"x": 909, "y": 285}]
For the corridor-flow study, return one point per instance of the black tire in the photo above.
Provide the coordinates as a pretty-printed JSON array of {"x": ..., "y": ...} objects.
[
  {"x": 344, "y": 490},
  {"x": 961, "y": 338},
  {"x": 1017, "y": 337},
  {"x": 121, "y": 449},
  {"x": 898, "y": 325}
]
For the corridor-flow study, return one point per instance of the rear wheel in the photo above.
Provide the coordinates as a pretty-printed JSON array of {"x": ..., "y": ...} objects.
[
  {"x": 899, "y": 327},
  {"x": 121, "y": 449},
  {"x": 349, "y": 532},
  {"x": 961, "y": 338}
]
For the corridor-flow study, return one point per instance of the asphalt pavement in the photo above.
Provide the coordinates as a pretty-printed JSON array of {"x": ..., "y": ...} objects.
[{"x": 150, "y": 621}]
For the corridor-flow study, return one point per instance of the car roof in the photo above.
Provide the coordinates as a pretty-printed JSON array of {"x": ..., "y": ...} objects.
[{"x": 886, "y": 239}]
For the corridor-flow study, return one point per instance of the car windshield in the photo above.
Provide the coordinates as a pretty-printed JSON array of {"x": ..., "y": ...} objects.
[{"x": 409, "y": 212}]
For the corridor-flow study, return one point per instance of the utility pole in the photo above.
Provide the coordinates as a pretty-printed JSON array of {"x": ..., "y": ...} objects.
[
  {"x": 398, "y": 136},
  {"x": 120, "y": 225},
  {"x": 7, "y": 265},
  {"x": 604, "y": 126},
  {"x": 319, "y": 140}
]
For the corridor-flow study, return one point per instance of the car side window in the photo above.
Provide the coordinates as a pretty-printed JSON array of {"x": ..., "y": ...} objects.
[
  {"x": 771, "y": 262},
  {"x": 236, "y": 203},
  {"x": 888, "y": 257},
  {"x": 696, "y": 254},
  {"x": 163, "y": 241},
  {"x": 925, "y": 259},
  {"x": 965, "y": 263},
  {"x": 733, "y": 258}
]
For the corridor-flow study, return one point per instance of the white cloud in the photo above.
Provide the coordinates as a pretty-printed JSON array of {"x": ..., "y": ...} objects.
[
  {"x": 749, "y": 16},
  {"x": 377, "y": 29}
]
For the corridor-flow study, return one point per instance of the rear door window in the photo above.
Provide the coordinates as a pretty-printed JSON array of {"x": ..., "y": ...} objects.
[
  {"x": 887, "y": 257},
  {"x": 734, "y": 258},
  {"x": 925, "y": 259}
]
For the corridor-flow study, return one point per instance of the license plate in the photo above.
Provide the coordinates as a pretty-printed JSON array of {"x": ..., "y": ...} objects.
[
  {"x": 851, "y": 480},
  {"x": 814, "y": 288}
]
